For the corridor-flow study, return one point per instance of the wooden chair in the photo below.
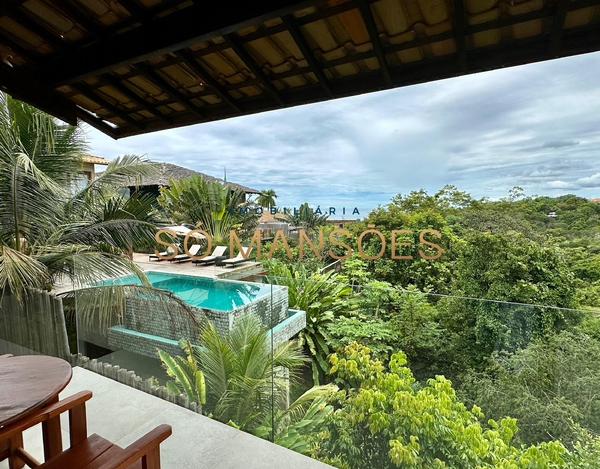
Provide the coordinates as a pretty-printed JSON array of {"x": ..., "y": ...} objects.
[{"x": 86, "y": 452}]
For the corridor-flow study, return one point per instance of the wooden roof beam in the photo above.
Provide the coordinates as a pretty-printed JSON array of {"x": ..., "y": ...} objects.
[
  {"x": 95, "y": 96},
  {"x": 189, "y": 59},
  {"x": 138, "y": 100},
  {"x": 152, "y": 75},
  {"x": 558, "y": 25},
  {"x": 243, "y": 54},
  {"x": 196, "y": 23},
  {"x": 365, "y": 10},
  {"x": 48, "y": 100},
  {"x": 300, "y": 40},
  {"x": 16, "y": 14},
  {"x": 459, "y": 31},
  {"x": 75, "y": 14},
  {"x": 98, "y": 123}
]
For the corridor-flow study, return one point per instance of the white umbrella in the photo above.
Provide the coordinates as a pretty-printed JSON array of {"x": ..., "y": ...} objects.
[{"x": 182, "y": 230}]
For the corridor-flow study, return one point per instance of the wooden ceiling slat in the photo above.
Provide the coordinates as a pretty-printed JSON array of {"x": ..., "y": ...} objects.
[
  {"x": 78, "y": 16},
  {"x": 99, "y": 124},
  {"x": 16, "y": 14},
  {"x": 170, "y": 33},
  {"x": 7, "y": 41},
  {"x": 367, "y": 15},
  {"x": 245, "y": 56},
  {"x": 459, "y": 30},
  {"x": 152, "y": 75},
  {"x": 291, "y": 24},
  {"x": 190, "y": 61},
  {"x": 83, "y": 89},
  {"x": 558, "y": 25},
  {"x": 48, "y": 100},
  {"x": 139, "y": 101}
]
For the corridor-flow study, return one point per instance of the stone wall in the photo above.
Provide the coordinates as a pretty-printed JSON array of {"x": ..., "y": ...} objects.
[
  {"x": 173, "y": 321},
  {"x": 271, "y": 309},
  {"x": 287, "y": 329},
  {"x": 140, "y": 343}
]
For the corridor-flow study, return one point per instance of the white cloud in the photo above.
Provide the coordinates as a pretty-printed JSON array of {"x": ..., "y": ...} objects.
[
  {"x": 591, "y": 181},
  {"x": 561, "y": 185}
]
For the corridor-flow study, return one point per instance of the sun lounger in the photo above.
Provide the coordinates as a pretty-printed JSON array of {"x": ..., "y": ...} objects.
[
  {"x": 219, "y": 251},
  {"x": 238, "y": 259},
  {"x": 193, "y": 250},
  {"x": 161, "y": 255}
]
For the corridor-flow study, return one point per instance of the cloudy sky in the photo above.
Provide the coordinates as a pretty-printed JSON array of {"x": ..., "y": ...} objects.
[{"x": 535, "y": 126}]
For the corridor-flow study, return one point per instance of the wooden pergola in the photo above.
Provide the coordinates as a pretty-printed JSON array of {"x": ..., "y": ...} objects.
[{"x": 128, "y": 67}]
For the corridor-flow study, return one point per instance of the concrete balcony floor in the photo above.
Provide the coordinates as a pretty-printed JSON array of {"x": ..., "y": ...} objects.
[{"x": 123, "y": 414}]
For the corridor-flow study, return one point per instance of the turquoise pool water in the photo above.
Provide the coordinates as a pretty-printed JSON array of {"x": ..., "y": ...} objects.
[{"x": 223, "y": 295}]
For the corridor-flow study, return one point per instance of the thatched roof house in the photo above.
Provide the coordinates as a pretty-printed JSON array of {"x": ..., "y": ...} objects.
[{"x": 150, "y": 185}]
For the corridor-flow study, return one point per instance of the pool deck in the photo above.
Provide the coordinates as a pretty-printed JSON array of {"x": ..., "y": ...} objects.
[{"x": 242, "y": 271}]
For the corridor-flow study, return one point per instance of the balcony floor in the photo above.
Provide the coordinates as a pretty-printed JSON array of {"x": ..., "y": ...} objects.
[{"x": 123, "y": 414}]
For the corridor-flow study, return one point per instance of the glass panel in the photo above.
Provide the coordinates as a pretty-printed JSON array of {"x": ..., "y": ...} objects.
[
  {"x": 189, "y": 334},
  {"x": 431, "y": 367}
]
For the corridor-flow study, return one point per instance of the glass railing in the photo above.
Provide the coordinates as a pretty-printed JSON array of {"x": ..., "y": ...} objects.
[{"x": 351, "y": 374}]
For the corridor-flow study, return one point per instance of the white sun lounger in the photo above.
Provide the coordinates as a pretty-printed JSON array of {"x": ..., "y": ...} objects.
[
  {"x": 193, "y": 250},
  {"x": 161, "y": 255},
  {"x": 238, "y": 259},
  {"x": 219, "y": 251}
]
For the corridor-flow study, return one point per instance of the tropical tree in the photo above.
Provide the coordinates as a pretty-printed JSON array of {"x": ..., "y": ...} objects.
[
  {"x": 385, "y": 419},
  {"x": 214, "y": 207},
  {"x": 239, "y": 379},
  {"x": 267, "y": 198},
  {"x": 323, "y": 298},
  {"x": 307, "y": 218},
  {"x": 46, "y": 226}
]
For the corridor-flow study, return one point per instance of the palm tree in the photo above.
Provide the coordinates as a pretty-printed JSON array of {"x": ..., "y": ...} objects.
[
  {"x": 47, "y": 229},
  {"x": 242, "y": 381},
  {"x": 267, "y": 198},
  {"x": 216, "y": 208}
]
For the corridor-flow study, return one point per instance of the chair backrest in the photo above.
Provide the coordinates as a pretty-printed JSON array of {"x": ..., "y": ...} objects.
[
  {"x": 193, "y": 250},
  {"x": 247, "y": 251},
  {"x": 219, "y": 251}
]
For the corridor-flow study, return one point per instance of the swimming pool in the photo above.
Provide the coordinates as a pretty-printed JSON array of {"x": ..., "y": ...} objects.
[{"x": 202, "y": 292}]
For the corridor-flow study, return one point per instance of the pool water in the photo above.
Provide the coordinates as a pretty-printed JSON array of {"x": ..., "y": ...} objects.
[{"x": 224, "y": 295}]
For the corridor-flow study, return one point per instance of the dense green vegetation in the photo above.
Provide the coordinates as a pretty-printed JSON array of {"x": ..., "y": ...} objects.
[
  {"x": 413, "y": 354},
  {"x": 530, "y": 352}
]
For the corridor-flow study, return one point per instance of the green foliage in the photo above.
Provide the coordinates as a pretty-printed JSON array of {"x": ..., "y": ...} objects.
[
  {"x": 48, "y": 227},
  {"x": 323, "y": 298},
  {"x": 241, "y": 381},
  {"x": 214, "y": 207},
  {"x": 267, "y": 198},
  {"x": 307, "y": 218},
  {"x": 384, "y": 420},
  {"x": 185, "y": 373},
  {"x": 548, "y": 386}
]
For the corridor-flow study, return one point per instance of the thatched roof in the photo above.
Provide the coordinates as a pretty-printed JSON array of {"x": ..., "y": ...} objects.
[{"x": 172, "y": 171}]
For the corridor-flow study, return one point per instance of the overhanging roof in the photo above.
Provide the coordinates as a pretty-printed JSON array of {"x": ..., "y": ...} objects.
[{"x": 132, "y": 66}]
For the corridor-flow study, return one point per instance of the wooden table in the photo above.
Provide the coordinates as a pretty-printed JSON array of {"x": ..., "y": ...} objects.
[{"x": 27, "y": 384}]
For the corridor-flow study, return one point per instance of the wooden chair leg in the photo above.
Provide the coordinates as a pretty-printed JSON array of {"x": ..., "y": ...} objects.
[
  {"x": 52, "y": 437},
  {"x": 152, "y": 459},
  {"x": 14, "y": 461}
]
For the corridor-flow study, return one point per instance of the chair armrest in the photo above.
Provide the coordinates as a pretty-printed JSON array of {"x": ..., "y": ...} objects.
[
  {"x": 146, "y": 445},
  {"x": 45, "y": 414}
]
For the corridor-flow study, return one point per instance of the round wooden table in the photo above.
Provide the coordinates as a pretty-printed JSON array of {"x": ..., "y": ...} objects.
[{"x": 28, "y": 383}]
